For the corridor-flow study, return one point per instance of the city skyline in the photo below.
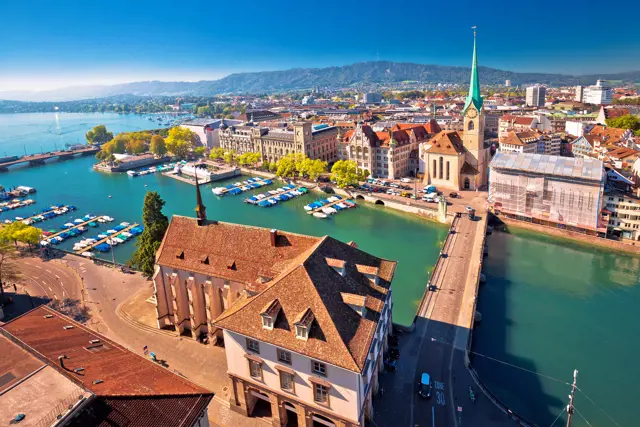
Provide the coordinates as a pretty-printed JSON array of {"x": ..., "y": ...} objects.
[{"x": 63, "y": 45}]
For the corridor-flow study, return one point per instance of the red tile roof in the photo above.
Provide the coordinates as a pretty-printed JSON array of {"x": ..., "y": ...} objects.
[
  {"x": 338, "y": 334},
  {"x": 121, "y": 371},
  {"x": 447, "y": 142}
]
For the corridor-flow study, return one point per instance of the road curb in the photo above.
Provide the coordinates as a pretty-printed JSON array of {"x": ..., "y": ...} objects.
[{"x": 138, "y": 325}]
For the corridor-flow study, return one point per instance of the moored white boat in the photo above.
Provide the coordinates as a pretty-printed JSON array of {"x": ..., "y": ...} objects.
[{"x": 319, "y": 215}]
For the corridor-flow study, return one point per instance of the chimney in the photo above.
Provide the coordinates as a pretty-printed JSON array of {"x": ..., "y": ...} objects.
[{"x": 274, "y": 236}]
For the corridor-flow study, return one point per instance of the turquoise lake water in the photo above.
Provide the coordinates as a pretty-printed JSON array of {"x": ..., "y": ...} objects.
[{"x": 551, "y": 307}]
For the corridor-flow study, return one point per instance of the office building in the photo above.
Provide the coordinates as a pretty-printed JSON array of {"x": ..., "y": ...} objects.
[
  {"x": 371, "y": 98},
  {"x": 536, "y": 96},
  {"x": 507, "y": 83},
  {"x": 599, "y": 94}
]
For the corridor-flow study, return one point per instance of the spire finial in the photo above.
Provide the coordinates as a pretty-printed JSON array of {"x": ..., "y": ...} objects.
[
  {"x": 201, "y": 210},
  {"x": 474, "y": 84}
]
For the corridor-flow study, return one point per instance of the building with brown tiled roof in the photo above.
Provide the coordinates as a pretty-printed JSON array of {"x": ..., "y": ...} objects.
[
  {"x": 521, "y": 142},
  {"x": 385, "y": 154},
  {"x": 88, "y": 379},
  {"x": 509, "y": 122},
  {"x": 304, "y": 319}
]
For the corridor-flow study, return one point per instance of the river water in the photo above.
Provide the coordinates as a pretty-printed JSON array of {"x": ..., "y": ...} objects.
[{"x": 550, "y": 307}]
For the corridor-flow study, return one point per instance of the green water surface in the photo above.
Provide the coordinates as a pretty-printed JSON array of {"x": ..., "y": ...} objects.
[{"x": 550, "y": 306}]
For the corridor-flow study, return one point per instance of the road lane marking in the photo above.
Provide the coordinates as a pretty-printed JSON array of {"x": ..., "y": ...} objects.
[
  {"x": 37, "y": 266},
  {"x": 49, "y": 271},
  {"x": 50, "y": 288},
  {"x": 433, "y": 416}
]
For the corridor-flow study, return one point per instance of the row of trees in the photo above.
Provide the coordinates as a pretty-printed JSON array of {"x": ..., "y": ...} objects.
[
  {"x": 180, "y": 141},
  {"x": 346, "y": 172}
]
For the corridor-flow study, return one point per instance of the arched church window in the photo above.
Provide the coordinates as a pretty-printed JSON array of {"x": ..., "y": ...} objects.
[
  {"x": 471, "y": 125},
  {"x": 440, "y": 168}
]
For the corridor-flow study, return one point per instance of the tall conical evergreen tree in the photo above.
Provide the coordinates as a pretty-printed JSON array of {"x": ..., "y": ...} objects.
[{"x": 155, "y": 225}]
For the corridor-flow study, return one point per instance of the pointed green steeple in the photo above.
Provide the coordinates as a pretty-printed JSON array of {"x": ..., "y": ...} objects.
[{"x": 474, "y": 85}]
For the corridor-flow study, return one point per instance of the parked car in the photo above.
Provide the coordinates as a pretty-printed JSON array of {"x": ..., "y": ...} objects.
[
  {"x": 468, "y": 209},
  {"x": 454, "y": 195},
  {"x": 405, "y": 180},
  {"x": 394, "y": 185},
  {"x": 431, "y": 189}
]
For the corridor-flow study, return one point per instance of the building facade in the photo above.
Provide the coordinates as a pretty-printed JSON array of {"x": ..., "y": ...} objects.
[
  {"x": 283, "y": 303},
  {"x": 459, "y": 159},
  {"x": 556, "y": 191},
  {"x": 535, "y": 96},
  {"x": 599, "y": 94},
  {"x": 622, "y": 212},
  {"x": 275, "y": 143},
  {"x": 385, "y": 154}
]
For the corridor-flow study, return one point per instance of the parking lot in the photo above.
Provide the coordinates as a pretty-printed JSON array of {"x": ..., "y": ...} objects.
[{"x": 408, "y": 188}]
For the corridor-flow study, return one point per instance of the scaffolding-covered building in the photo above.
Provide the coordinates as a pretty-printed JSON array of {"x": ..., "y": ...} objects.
[{"x": 562, "y": 192}]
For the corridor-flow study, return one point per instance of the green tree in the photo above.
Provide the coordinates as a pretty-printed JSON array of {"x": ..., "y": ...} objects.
[
  {"x": 202, "y": 111},
  {"x": 158, "y": 146},
  {"x": 254, "y": 158},
  {"x": 99, "y": 135},
  {"x": 628, "y": 121},
  {"x": 155, "y": 225},
  {"x": 200, "y": 150},
  {"x": 286, "y": 167},
  {"x": 216, "y": 153},
  {"x": 180, "y": 141},
  {"x": 273, "y": 167},
  {"x": 11, "y": 232},
  {"x": 315, "y": 168},
  {"x": 347, "y": 172},
  {"x": 9, "y": 270},
  {"x": 135, "y": 146},
  {"x": 229, "y": 156}
]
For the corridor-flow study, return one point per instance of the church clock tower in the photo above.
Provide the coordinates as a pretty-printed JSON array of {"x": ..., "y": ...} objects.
[{"x": 473, "y": 132}]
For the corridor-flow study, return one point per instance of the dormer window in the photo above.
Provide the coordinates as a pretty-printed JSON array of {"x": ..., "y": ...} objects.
[
  {"x": 303, "y": 324},
  {"x": 270, "y": 313},
  {"x": 180, "y": 254},
  {"x": 204, "y": 259},
  {"x": 336, "y": 264},
  {"x": 370, "y": 272}
]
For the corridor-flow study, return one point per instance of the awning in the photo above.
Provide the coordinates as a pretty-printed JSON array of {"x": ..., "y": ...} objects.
[
  {"x": 285, "y": 369},
  {"x": 254, "y": 358}
]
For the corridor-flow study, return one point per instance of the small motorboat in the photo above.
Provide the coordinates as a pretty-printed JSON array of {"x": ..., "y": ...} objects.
[{"x": 319, "y": 215}]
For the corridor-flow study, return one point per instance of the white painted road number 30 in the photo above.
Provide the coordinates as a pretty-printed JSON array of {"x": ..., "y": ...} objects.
[{"x": 440, "y": 398}]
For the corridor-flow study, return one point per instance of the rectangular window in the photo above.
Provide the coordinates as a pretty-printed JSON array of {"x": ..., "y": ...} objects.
[
  {"x": 253, "y": 345},
  {"x": 319, "y": 368},
  {"x": 255, "y": 369},
  {"x": 321, "y": 393},
  {"x": 284, "y": 356},
  {"x": 286, "y": 381}
]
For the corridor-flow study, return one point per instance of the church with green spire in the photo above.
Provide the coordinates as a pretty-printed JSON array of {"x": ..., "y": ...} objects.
[{"x": 458, "y": 160}]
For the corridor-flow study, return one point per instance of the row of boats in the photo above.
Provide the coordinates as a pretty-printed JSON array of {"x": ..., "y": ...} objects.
[
  {"x": 332, "y": 205},
  {"x": 47, "y": 213},
  {"x": 272, "y": 197},
  {"x": 154, "y": 169},
  {"x": 15, "y": 204},
  {"x": 241, "y": 187}
]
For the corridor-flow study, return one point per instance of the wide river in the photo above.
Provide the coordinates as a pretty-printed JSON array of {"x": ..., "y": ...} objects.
[
  {"x": 550, "y": 307},
  {"x": 547, "y": 307}
]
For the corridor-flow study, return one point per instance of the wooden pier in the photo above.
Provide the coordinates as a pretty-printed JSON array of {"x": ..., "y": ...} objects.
[
  {"x": 93, "y": 245},
  {"x": 74, "y": 227},
  {"x": 312, "y": 211},
  {"x": 52, "y": 210},
  {"x": 240, "y": 185},
  {"x": 286, "y": 191}
]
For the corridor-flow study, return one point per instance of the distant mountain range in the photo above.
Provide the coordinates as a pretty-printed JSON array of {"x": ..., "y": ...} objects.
[{"x": 379, "y": 72}]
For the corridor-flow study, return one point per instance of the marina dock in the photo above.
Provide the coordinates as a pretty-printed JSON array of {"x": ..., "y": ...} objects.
[
  {"x": 288, "y": 192},
  {"x": 75, "y": 226},
  {"x": 239, "y": 187},
  {"x": 330, "y": 206},
  {"x": 106, "y": 239},
  {"x": 45, "y": 215}
]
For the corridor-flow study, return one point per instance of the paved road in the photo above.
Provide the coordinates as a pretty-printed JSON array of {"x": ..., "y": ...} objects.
[{"x": 436, "y": 346}]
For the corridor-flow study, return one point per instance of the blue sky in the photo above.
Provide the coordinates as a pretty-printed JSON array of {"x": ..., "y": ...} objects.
[{"x": 50, "y": 44}]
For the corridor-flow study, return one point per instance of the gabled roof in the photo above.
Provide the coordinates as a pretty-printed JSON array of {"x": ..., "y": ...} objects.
[
  {"x": 248, "y": 247},
  {"x": 338, "y": 335},
  {"x": 521, "y": 138},
  {"x": 447, "y": 142},
  {"x": 518, "y": 120},
  {"x": 130, "y": 390}
]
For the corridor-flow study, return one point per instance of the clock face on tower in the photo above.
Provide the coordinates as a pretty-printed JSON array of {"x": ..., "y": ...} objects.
[{"x": 472, "y": 113}]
